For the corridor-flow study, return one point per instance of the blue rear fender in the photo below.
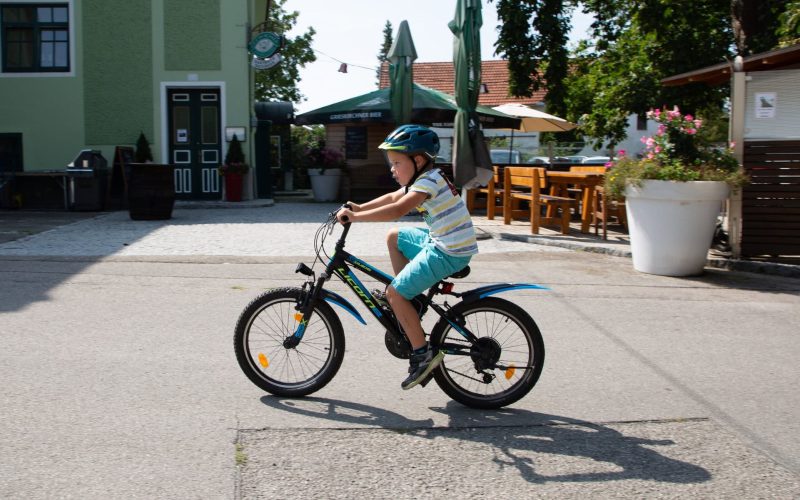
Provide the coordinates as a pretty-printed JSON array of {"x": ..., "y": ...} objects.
[
  {"x": 335, "y": 298},
  {"x": 485, "y": 291}
]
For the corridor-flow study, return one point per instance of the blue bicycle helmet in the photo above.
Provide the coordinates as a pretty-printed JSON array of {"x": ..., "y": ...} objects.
[{"x": 411, "y": 140}]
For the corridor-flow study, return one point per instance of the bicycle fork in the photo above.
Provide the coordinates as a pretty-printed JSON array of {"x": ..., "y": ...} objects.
[{"x": 305, "y": 309}]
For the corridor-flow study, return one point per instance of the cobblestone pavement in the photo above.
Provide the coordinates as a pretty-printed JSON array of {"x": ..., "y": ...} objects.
[{"x": 282, "y": 230}]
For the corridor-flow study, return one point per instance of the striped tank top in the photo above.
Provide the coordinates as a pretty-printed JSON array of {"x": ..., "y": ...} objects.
[{"x": 446, "y": 214}]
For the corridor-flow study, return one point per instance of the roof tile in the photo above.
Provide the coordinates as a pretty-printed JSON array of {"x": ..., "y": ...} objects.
[{"x": 440, "y": 76}]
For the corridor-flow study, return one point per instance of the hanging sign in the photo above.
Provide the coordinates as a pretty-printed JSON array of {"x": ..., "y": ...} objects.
[
  {"x": 261, "y": 64},
  {"x": 265, "y": 45}
]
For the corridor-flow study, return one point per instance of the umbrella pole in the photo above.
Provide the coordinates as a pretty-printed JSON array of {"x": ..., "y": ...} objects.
[{"x": 511, "y": 147}]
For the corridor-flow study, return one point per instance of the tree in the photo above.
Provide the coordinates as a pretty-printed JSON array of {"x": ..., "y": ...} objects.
[
  {"x": 384, "y": 53},
  {"x": 635, "y": 43},
  {"x": 789, "y": 30},
  {"x": 142, "y": 153},
  {"x": 533, "y": 37},
  {"x": 754, "y": 24},
  {"x": 279, "y": 83}
]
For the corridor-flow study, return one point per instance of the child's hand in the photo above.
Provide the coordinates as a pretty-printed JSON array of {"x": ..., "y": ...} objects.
[
  {"x": 344, "y": 216},
  {"x": 355, "y": 207}
]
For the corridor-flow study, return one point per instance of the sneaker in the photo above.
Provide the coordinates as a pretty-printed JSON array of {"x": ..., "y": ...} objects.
[{"x": 421, "y": 366}]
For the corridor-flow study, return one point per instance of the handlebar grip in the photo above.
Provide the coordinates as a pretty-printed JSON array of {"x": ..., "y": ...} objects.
[{"x": 345, "y": 218}]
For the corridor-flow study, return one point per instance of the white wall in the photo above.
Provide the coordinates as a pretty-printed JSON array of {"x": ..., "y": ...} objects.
[
  {"x": 632, "y": 145},
  {"x": 781, "y": 121}
]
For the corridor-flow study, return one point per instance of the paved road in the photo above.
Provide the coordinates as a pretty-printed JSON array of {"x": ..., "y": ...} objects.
[{"x": 119, "y": 379}]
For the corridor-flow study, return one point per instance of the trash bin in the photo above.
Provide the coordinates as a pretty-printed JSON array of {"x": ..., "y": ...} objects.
[{"x": 87, "y": 181}]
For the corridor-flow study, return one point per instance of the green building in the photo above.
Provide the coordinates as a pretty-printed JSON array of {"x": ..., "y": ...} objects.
[{"x": 93, "y": 74}]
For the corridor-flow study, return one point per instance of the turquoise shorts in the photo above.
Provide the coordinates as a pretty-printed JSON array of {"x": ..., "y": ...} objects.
[{"x": 427, "y": 264}]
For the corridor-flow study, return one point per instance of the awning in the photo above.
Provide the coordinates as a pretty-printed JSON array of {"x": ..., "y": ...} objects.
[
  {"x": 721, "y": 73},
  {"x": 431, "y": 107}
]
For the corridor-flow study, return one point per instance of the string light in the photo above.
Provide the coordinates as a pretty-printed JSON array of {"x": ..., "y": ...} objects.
[{"x": 346, "y": 64}]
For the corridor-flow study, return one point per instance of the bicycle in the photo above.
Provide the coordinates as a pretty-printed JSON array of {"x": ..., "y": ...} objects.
[{"x": 290, "y": 342}]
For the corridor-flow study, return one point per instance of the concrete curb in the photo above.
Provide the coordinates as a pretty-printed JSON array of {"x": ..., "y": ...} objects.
[
  {"x": 771, "y": 268},
  {"x": 185, "y": 204}
]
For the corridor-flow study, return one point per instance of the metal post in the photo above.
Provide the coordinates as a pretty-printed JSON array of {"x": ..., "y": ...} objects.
[{"x": 736, "y": 135}]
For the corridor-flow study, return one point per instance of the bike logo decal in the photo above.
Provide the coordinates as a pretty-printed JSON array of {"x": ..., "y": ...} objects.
[
  {"x": 356, "y": 286},
  {"x": 366, "y": 267}
]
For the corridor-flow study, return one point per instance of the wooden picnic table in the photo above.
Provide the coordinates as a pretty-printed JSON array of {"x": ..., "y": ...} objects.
[{"x": 560, "y": 182}]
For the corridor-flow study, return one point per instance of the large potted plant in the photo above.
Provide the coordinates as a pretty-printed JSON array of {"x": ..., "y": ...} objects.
[
  {"x": 151, "y": 186},
  {"x": 674, "y": 194},
  {"x": 325, "y": 171},
  {"x": 234, "y": 170}
]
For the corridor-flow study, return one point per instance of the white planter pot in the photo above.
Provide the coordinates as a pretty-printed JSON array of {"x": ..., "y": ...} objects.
[
  {"x": 325, "y": 185},
  {"x": 672, "y": 224}
]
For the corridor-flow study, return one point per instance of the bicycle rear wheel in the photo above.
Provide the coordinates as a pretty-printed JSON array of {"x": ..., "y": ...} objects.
[
  {"x": 502, "y": 367},
  {"x": 297, "y": 371}
]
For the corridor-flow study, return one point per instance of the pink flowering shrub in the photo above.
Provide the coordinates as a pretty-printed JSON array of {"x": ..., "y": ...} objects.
[
  {"x": 675, "y": 153},
  {"x": 323, "y": 157}
]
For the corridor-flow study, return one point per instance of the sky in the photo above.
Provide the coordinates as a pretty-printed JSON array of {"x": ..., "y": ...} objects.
[{"x": 351, "y": 31}]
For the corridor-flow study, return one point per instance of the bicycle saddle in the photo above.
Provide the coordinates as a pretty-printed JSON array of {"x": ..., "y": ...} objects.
[{"x": 460, "y": 274}]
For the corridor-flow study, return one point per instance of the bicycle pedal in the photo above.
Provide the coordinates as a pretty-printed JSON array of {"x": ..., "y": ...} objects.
[{"x": 426, "y": 380}]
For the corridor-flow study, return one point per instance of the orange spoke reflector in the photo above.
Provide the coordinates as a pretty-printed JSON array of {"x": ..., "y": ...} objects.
[
  {"x": 298, "y": 317},
  {"x": 263, "y": 360},
  {"x": 510, "y": 372}
]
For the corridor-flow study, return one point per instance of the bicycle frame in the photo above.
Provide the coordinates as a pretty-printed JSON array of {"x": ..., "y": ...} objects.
[{"x": 340, "y": 266}]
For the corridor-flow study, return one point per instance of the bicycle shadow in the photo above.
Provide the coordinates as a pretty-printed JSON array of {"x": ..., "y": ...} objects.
[
  {"x": 517, "y": 436},
  {"x": 346, "y": 412}
]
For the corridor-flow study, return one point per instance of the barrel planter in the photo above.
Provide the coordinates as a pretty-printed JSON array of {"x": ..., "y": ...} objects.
[
  {"x": 151, "y": 191},
  {"x": 672, "y": 224}
]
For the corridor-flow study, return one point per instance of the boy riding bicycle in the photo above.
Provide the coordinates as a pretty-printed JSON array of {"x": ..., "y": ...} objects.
[{"x": 420, "y": 257}]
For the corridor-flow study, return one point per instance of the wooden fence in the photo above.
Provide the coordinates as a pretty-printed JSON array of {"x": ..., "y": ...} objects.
[{"x": 771, "y": 201}]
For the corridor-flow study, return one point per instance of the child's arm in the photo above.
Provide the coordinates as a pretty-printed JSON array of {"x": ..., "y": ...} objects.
[
  {"x": 379, "y": 201},
  {"x": 392, "y": 209}
]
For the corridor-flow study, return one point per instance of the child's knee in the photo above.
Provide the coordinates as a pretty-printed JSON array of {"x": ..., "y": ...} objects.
[
  {"x": 393, "y": 295},
  {"x": 391, "y": 237}
]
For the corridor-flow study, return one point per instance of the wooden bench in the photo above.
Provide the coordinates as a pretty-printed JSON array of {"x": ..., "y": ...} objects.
[
  {"x": 493, "y": 191},
  {"x": 533, "y": 181}
]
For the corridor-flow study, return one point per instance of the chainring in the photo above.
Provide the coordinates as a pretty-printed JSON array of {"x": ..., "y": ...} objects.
[{"x": 398, "y": 346}]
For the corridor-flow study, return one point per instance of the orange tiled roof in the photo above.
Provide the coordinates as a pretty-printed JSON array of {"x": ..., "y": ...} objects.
[{"x": 439, "y": 75}]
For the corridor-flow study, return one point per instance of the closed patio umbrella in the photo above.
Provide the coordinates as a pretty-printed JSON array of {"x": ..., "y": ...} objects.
[
  {"x": 468, "y": 170},
  {"x": 401, "y": 58}
]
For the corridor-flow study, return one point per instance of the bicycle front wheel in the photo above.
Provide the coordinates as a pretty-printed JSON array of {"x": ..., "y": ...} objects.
[
  {"x": 295, "y": 371},
  {"x": 502, "y": 366}
]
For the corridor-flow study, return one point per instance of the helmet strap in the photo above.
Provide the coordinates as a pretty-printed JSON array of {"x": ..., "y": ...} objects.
[{"x": 418, "y": 170}]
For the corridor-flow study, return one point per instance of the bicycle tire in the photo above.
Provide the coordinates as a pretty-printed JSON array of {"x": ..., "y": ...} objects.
[
  {"x": 489, "y": 318},
  {"x": 289, "y": 372}
]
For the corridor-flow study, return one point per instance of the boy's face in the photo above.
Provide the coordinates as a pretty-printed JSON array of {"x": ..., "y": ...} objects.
[{"x": 402, "y": 166}]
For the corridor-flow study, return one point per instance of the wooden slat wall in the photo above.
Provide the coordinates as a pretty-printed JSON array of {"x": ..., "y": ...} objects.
[
  {"x": 771, "y": 202},
  {"x": 368, "y": 178}
]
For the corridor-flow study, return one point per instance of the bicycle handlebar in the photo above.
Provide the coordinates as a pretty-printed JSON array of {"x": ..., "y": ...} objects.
[{"x": 345, "y": 218}]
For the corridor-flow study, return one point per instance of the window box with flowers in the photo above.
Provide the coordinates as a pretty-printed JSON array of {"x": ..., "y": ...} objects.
[
  {"x": 233, "y": 171},
  {"x": 325, "y": 171},
  {"x": 674, "y": 194}
]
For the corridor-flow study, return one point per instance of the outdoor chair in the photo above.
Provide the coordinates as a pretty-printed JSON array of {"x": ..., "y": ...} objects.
[
  {"x": 494, "y": 193},
  {"x": 527, "y": 184},
  {"x": 605, "y": 208}
]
